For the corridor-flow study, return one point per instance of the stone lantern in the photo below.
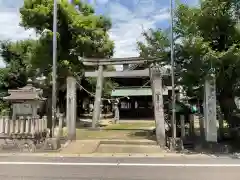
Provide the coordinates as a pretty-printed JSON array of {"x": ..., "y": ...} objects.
[{"x": 25, "y": 101}]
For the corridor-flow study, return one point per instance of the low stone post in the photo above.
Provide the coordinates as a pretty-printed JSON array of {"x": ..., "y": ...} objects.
[
  {"x": 7, "y": 125},
  {"x": 28, "y": 125},
  {"x": 22, "y": 125},
  {"x": 2, "y": 125},
  {"x": 11, "y": 124},
  {"x": 60, "y": 126},
  {"x": 182, "y": 121},
  {"x": 116, "y": 113}
]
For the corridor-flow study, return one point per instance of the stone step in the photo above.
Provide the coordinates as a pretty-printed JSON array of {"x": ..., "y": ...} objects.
[
  {"x": 127, "y": 148},
  {"x": 81, "y": 146}
]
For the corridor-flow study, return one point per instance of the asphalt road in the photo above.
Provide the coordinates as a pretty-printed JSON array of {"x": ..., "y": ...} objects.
[{"x": 39, "y": 168}]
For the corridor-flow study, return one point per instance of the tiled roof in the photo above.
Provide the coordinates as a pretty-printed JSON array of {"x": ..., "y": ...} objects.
[
  {"x": 25, "y": 93},
  {"x": 23, "y": 96}
]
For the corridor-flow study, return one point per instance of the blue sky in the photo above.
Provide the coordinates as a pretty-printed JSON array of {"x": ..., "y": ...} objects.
[{"x": 129, "y": 18}]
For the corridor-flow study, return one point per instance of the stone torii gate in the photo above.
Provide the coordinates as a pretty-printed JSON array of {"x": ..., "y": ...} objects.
[{"x": 154, "y": 72}]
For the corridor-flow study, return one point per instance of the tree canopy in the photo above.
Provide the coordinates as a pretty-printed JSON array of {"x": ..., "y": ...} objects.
[
  {"x": 207, "y": 42},
  {"x": 80, "y": 32}
]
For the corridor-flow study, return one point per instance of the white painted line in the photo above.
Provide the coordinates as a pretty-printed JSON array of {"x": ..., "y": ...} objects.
[{"x": 118, "y": 164}]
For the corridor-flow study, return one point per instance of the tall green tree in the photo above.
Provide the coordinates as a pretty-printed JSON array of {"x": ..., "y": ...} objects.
[
  {"x": 211, "y": 44},
  {"x": 80, "y": 33},
  {"x": 209, "y": 39}
]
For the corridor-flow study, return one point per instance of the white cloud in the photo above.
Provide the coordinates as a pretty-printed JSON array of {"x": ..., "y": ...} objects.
[
  {"x": 10, "y": 28},
  {"x": 145, "y": 7},
  {"x": 118, "y": 12},
  {"x": 128, "y": 25},
  {"x": 101, "y": 1},
  {"x": 9, "y": 20}
]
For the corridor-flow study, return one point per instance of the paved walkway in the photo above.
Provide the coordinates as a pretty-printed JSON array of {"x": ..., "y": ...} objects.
[
  {"x": 111, "y": 146},
  {"x": 118, "y": 168}
]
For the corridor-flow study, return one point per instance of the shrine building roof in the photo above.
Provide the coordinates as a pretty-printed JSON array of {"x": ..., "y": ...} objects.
[{"x": 27, "y": 92}]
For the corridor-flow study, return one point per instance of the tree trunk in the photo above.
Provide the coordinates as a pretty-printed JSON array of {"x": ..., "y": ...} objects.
[
  {"x": 202, "y": 128},
  {"x": 62, "y": 101},
  {"x": 227, "y": 105}
]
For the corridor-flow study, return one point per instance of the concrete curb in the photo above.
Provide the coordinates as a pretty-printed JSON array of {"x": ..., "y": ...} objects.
[
  {"x": 112, "y": 142},
  {"x": 158, "y": 155}
]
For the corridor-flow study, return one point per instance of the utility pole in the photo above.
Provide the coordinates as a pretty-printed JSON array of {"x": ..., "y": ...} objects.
[
  {"x": 173, "y": 76},
  {"x": 54, "y": 67}
]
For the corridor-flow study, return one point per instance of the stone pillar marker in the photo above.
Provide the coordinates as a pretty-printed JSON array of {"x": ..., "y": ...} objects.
[
  {"x": 71, "y": 108},
  {"x": 210, "y": 111},
  {"x": 156, "y": 81}
]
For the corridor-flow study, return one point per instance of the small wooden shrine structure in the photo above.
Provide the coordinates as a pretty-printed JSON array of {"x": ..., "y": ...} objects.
[
  {"x": 25, "y": 101},
  {"x": 25, "y": 128}
]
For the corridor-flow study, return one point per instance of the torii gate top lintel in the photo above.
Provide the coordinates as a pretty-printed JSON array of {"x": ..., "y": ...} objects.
[
  {"x": 115, "y": 61},
  {"x": 120, "y": 61}
]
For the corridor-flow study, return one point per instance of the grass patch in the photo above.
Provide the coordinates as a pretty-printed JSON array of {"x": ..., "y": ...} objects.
[
  {"x": 130, "y": 126},
  {"x": 123, "y": 130},
  {"x": 83, "y": 134}
]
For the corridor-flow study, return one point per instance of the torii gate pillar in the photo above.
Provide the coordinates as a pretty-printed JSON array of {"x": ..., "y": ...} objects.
[
  {"x": 71, "y": 108},
  {"x": 98, "y": 97}
]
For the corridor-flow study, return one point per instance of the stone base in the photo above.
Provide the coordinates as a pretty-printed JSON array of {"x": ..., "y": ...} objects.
[
  {"x": 95, "y": 129},
  {"x": 175, "y": 144},
  {"x": 52, "y": 144}
]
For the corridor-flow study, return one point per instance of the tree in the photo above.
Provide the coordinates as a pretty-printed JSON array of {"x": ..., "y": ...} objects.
[
  {"x": 16, "y": 56},
  {"x": 156, "y": 45},
  {"x": 209, "y": 42},
  {"x": 80, "y": 33},
  {"x": 214, "y": 46}
]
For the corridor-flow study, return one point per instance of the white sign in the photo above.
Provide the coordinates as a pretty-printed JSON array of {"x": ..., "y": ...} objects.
[{"x": 23, "y": 109}]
